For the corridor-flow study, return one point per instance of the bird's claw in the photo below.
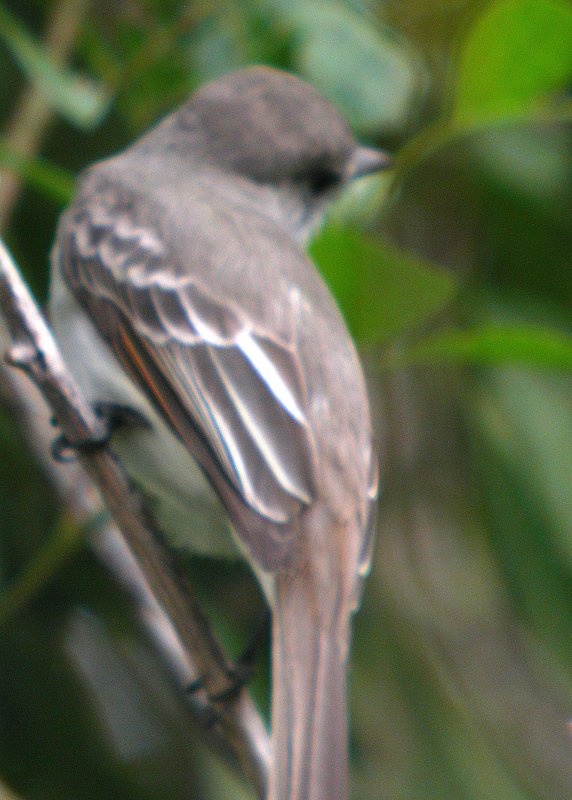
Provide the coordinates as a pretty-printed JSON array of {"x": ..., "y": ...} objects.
[{"x": 115, "y": 416}]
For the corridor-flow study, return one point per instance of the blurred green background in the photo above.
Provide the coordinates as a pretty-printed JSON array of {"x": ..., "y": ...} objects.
[{"x": 455, "y": 275}]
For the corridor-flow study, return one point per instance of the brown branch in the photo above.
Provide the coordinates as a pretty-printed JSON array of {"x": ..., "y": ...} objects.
[{"x": 238, "y": 732}]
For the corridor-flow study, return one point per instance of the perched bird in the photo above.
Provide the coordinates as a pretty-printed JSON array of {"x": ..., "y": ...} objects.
[{"x": 181, "y": 289}]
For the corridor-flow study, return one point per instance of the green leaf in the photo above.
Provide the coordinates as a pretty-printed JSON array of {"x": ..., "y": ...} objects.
[
  {"x": 382, "y": 291},
  {"x": 361, "y": 67},
  {"x": 82, "y": 101},
  {"x": 524, "y": 345},
  {"x": 527, "y": 417},
  {"x": 39, "y": 571},
  {"x": 517, "y": 53},
  {"x": 46, "y": 178}
]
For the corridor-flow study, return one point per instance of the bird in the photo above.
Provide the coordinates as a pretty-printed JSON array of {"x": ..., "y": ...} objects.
[{"x": 181, "y": 289}]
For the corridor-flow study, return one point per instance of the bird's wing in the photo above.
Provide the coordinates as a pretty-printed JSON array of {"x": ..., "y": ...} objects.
[{"x": 234, "y": 394}]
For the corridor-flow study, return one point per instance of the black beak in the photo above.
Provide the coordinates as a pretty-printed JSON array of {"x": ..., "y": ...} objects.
[{"x": 367, "y": 161}]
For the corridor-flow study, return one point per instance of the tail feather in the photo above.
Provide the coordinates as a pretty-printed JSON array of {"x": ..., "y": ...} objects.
[{"x": 309, "y": 712}]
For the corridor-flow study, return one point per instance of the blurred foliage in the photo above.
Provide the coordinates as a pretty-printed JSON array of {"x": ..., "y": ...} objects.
[
  {"x": 412, "y": 291},
  {"x": 81, "y": 101},
  {"x": 455, "y": 275},
  {"x": 491, "y": 344},
  {"x": 499, "y": 76}
]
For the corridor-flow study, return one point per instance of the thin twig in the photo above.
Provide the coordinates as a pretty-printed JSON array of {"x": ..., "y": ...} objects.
[
  {"x": 238, "y": 729},
  {"x": 240, "y": 734}
]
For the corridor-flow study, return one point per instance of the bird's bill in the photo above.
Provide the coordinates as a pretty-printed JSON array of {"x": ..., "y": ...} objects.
[{"x": 367, "y": 161}]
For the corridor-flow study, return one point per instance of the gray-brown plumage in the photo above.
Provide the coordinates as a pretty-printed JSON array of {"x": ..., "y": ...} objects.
[{"x": 185, "y": 252}]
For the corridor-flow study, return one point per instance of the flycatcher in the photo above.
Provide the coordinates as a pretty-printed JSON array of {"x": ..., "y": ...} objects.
[{"x": 181, "y": 289}]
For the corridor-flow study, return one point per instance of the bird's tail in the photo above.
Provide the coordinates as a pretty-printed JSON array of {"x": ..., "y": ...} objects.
[{"x": 309, "y": 712}]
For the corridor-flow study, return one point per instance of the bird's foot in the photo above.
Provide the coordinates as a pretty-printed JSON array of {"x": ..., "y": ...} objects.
[
  {"x": 115, "y": 417},
  {"x": 238, "y": 675}
]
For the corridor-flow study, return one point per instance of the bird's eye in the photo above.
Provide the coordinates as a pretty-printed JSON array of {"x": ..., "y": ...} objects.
[{"x": 322, "y": 180}]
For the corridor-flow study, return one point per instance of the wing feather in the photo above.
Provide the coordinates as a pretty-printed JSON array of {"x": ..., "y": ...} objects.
[
  {"x": 268, "y": 421},
  {"x": 241, "y": 390}
]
